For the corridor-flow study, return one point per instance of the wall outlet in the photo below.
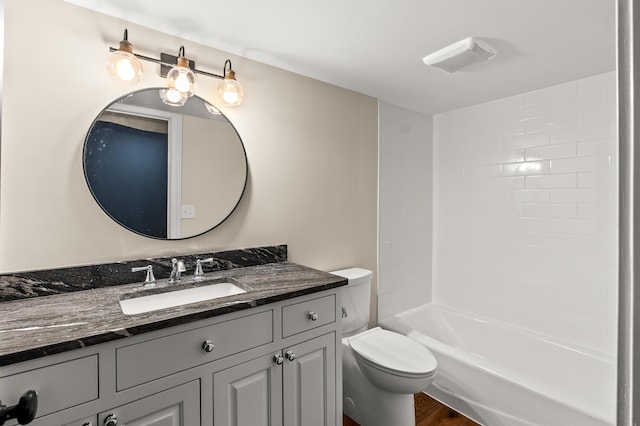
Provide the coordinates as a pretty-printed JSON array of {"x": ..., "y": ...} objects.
[{"x": 188, "y": 211}]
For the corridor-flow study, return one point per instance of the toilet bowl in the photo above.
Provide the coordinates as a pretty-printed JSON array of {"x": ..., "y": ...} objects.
[
  {"x": 392, "y": 361},
  {"x": 381, "y": 369}
]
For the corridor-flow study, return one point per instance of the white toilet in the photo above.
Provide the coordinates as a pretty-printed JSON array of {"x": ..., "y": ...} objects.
[{"x": 381, "y": 369}]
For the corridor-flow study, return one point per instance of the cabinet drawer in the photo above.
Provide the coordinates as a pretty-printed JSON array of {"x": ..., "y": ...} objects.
[
  {"x": 308, "y": 315},
  {"x": 142, "y": 362},
  {"x": 59, "y": 386}
]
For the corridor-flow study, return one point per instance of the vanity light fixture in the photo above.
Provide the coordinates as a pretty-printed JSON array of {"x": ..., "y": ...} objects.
[
  {"x": 123, "y": 63},
  {"x": 180, "y": 77},
  {"x": 180, "y": 72},
  {"x": 229, "y": 89}
]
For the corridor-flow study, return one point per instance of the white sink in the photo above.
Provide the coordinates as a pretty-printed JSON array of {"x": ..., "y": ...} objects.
[{"x": 154, "y": 302}]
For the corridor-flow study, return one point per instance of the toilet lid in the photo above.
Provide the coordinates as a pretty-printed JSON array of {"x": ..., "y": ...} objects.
[{"x": 393, "y": 351}]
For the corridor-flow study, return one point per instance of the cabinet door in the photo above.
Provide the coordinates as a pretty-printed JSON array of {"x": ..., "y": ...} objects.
[
  {"x": 309, "y": 383},
  {"x": 248, "y": 394},
  {"x": 179, "y": 406}
]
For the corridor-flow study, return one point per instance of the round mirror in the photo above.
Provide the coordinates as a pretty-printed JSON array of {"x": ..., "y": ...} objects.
[{"x": 164, "y": 171}]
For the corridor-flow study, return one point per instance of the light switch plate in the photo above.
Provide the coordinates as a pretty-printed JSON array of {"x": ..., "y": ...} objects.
[{"x": 188, "y": 211}]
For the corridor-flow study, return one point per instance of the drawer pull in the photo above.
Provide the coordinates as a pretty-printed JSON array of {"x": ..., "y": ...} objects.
[
  {"x": 111, "y": 420},
  {"x": 312, "y": 316},
  {"x": 207, "y": 346},
  {"x": 290, "y": 355},
  {"x": 88, "y": 424},
  {"x": 24, "y": 411},
  {"x": 278, "y": 359}
]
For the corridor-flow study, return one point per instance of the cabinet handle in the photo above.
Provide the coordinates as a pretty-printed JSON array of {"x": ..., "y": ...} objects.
[
  {"x": 290, "y": 355},
  {"x": 24, "y": 411},
  {"x": 207, "y": 346},
  {"x": 278, "y": 359},
  {"x": 88, "y": 424},
  {"x": 312, "y": 316},
  {"x": 111, "y": 420}
]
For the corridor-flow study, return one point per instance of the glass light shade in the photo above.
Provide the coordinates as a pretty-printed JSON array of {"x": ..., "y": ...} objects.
[
  {"x": 173, "y": 97},
  {"x": 231, "y": 91},
  {"x": 124, "y": 66},
  {"x": 213, "y": 110},
  {"x": 182, "y": 79}
]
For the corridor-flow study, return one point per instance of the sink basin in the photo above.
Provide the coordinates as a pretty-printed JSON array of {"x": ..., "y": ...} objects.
[{"x": 167, "y": 299}]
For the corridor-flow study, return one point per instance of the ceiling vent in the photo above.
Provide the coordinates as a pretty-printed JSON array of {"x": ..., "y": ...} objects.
[{"x": 461, "y": 54}]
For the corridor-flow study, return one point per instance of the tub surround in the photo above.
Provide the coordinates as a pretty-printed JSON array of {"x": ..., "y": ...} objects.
[
  {"x": 23, "y": 285},
  {"x": 525, "y": 211},
  {"x": 39, "y": 326}
]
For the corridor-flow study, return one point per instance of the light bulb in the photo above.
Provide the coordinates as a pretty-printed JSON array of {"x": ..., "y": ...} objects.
[
  {"x": 124, "y": 66},
  {"x": 173, "y": 97},
  {"x": 229, "y": 95},
  {"x": 230, "y": 90},
  {"x": 125, "y": 70},
  {"x": 122, "y": 63},
  {"x": 182, "y": 82},
  {"x": 181, "y": 78}
]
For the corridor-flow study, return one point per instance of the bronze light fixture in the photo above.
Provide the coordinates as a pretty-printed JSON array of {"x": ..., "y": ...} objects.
[{"x": 124, "y": 64}]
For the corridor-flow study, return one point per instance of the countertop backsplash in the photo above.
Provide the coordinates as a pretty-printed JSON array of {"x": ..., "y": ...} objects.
[{"x": 29, "y": 284}]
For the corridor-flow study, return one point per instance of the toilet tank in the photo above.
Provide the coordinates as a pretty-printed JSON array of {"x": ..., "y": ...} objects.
[{"x": 355, "y": 299}]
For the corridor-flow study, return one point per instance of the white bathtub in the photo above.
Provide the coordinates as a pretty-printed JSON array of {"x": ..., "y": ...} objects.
[{"x": 500, "y": 375}]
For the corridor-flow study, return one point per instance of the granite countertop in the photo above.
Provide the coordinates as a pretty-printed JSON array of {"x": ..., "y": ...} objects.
[{"x": 41, "y": 326}]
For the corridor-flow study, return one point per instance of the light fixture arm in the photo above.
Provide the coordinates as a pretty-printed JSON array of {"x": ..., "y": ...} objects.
[{"x": 160, "y": 62}]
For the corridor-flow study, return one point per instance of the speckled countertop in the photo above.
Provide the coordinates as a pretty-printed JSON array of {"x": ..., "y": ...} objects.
[{"x": 36, "y": 327}]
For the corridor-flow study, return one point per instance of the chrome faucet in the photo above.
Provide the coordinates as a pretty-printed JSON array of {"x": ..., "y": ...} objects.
[
  {"x": 199, "y": 273},
  {"x": 176, "y": 271},
  {"x": 150, "y": 279}
]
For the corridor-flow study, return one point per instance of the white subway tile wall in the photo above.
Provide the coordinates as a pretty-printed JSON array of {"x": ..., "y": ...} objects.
[
  {"x": 405, "y": 217},
  {"x": 525, "y": 211}
]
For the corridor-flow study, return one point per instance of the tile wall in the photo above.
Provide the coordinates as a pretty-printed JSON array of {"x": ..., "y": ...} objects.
[
  {"x": 525, "y": 211},
  {"x": 405, "y": 216}
]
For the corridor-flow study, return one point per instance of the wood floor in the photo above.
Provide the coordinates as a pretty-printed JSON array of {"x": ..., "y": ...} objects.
[{"x": 430, "y": 412}]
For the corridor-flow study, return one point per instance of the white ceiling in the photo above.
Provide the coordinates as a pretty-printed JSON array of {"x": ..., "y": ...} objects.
[{"x": 376, "y": 47}]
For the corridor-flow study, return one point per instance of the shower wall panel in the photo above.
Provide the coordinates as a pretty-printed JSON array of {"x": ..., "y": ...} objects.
[{"x": 525, "y": 211}]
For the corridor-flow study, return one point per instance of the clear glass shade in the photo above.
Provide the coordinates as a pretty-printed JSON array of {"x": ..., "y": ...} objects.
[
  {"x": 173, "y": 97},
  {"x": 124, "y": 66},
  {"x": 182, "y": 79},
  {"x": 231, "y": 92}
]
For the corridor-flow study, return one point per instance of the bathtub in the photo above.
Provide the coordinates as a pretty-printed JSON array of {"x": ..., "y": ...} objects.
[{"x": 501, "y": 375}]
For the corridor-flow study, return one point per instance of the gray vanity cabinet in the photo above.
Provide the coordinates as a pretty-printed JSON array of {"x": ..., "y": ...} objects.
[
  {"x": 272, "y": 365},
  {"x": 248, "y": 394},
  {"x": 178, "y": 406},
  {"x": 294, "y": 387},
  {"x": 309, "y": 383},
  {"x": 87, "y": 421}
]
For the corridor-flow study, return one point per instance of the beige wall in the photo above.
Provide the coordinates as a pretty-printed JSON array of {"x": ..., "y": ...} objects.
[
  {"x": 214, "y": 176},
  {"x": 311, "y": 147}
]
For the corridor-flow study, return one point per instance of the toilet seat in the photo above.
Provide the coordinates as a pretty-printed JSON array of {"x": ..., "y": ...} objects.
[{"x": 393, "y": 353}]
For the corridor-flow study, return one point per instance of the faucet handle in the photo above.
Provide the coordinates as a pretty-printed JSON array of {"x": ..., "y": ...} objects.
[
  {"x": 149, "y": 278},
  {"x": 199, "y": 272},
  {"x": 178, "y": 265}
]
